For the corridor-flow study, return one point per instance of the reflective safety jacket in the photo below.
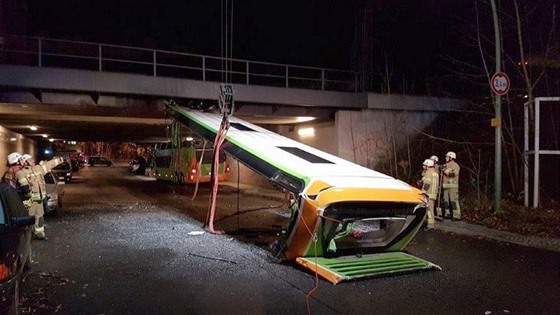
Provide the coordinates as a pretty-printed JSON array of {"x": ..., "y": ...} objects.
[
  {"x": 47, "y": 166},
  {"x": 430, "y": 183},
  {"x": 450, "y": 175},
  {"x": 37, "y": 184},
  {"x": 40, "y": 171},
  {"x": 9, "y": 176},
  {"x": 24, "y": 187}
]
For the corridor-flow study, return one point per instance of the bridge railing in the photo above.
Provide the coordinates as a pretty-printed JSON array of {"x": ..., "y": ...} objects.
[{"x": 46, "y": 52}]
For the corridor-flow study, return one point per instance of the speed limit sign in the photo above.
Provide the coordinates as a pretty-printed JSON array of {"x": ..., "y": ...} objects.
[{"x": 500, "y": 83}]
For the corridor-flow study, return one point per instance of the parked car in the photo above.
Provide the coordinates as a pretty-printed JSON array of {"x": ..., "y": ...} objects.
[
  {"x": 63, "y": 172},
  {"x": 75, "y": 165},
  {"x": 93, "y": 160},
  {"x": 79, "y": 157},
  {"x": 15, "y": 247},
  {"x": 55, "y": 193}
]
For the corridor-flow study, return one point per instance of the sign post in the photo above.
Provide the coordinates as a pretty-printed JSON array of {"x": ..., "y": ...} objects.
[{"x": 500, "y": 86}]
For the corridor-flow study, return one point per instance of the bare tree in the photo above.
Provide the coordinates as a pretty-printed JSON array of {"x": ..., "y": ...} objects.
[
  {"x": 386, "y": 74},
  {"x": 530, "y": 48}
]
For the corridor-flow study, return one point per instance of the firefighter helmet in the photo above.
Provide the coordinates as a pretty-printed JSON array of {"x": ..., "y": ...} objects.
[
  {"x": 26, "y": 157},
  {"x": 428, "y": 162},
  {"x": 434, "y": 158},
  {"x": 451, "y": 154},
  {"x": 13, "y": 158}
]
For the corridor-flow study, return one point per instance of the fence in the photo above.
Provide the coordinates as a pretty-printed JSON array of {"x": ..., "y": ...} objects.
[{"x": 45, "y": 52}]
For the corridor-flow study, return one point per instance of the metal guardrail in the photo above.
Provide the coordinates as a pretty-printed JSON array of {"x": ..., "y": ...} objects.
[{"x": 46, "y": 52}]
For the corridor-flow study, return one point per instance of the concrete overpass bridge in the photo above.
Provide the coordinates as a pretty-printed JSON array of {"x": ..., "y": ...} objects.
[{"x": 97, "y": 92}]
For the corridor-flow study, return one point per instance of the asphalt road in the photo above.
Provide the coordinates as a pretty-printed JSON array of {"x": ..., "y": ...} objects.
[{"x": 124, "y": 245}]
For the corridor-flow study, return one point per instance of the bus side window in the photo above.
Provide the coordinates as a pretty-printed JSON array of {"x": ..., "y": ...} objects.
[{"x": 163, "y": 161}]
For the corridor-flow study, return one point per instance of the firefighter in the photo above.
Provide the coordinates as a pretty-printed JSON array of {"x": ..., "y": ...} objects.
[
  {"x": 42, "y": 168},
  {"x": 450, "y": 186},
  {"x": 430, "y": 183},
  {"x": 436, "y": 166},
  {"x": 38, "y": 194},
  {"x": 436, "y": 161},
  {"x": 13, "y": 165},
  {"x": 22, "y": 185}
]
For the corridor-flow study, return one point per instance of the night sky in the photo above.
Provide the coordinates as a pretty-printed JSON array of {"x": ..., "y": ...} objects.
[{"x": 412, "y": 34}]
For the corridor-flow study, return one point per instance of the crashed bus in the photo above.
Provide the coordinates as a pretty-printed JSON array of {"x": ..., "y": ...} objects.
[
  {"x": 347, "y": 221},
  {"x": 186, "y": 160}
]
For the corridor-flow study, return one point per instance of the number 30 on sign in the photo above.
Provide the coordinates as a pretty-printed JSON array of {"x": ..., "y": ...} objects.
[{"x": 500, "y": 83}]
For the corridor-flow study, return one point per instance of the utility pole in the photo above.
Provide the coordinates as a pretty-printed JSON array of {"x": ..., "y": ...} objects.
[{"x": 498, "y": 119}]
